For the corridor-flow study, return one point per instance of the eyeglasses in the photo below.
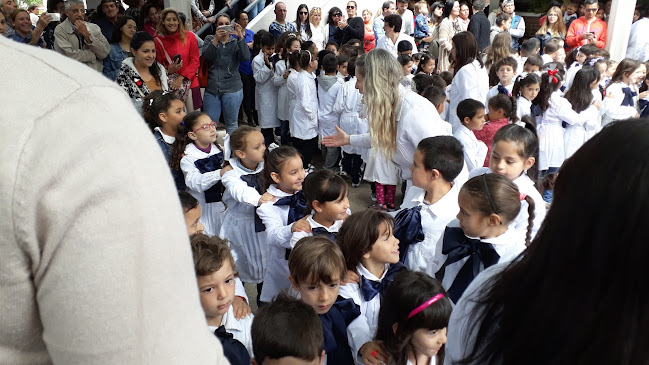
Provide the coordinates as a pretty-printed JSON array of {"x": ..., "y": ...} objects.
[
  {"x": 206, "y": 127},
  {"x": 350, "y": 7},
  {"x": 304, "y": 13}
]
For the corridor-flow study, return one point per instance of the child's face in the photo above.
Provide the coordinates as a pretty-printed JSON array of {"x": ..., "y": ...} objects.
[
  {"x": 421, "y": 177},
  {"x": 3, "y": 24},
  {"x": 193, "y": 221},
  {"x": 529, "y": 68},
  {"x": 581, "y": 57},
  {"x": 408, "y": 52},
  {"x": 428, "y": 67},
  {"x": 342, "y": 68},
  {"x": 320, "y": 296},
  {"x": 530, "y": 92},
  {"x": 472, "y": 221},
  {"x": 174, "y": 115},
  {"x": 428, "y": 342},
  {"x": 253, "y": 153},
  {"x": 334, "y": 210},
  {"x": 602, "y": 68},
  {"x": 291, "y": 176},
  {"x": 333, "y": 49},
  {"x": 506, "y": 160},
  {"x": 268, "y": 50},
  {"x": 423, "y": 10},
  {"x": 495, "y": 114},
  {"x": 204, "y": 132},
  {"x": 217, "y": 292},
  {"x": 407, "y": 68},
  {"x": 477, "y": 122},
  {"x": 386, "y": 248},
  {"x": 505, "y": 74},
  {"x": 559, "y": 55},
  {"x": 295, "y": 46},
  {"x": 611, "y": 70},
  {"x": 571, "y": 9},
  {"x": 507, "y": 24},
  {"x": 640, "y": 74}
]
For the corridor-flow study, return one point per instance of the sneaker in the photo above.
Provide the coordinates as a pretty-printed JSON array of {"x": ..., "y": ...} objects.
[
  {"x": 379, "y": 207},
  {"x": 373, "y": 197},
  {"x": 355, "y": 185},
  {"x": 391, "y": 207},
  {"x": 342, "y": 173}
]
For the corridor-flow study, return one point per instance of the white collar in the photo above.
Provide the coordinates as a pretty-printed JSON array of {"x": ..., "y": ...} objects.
[
  {"x": 447, "y": 203},
  {"x": 334, "y": 227},
  {"x": 235, "y": 163},
  {"x": 468, "y": 132},
  {"x": 368, "y": 275},
  {"x": 274, "y": 191},
  {"x": 166, "y": 138},
  {"x": 230, "y": 322}
]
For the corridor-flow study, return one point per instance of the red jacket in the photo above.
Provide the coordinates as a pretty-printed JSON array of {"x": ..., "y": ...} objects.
[
  {"x": 579, "y": 26},
  {"x": 188, "y": 52}
]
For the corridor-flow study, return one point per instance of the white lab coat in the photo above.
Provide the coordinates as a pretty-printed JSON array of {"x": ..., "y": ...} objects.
[
  {"x": 304, "y": 124},
  {"x": 550, "y": 130},
  {"x": 638, "y": 48},
  {"x": 290, "y": 87},
  {"x": 387, "y": 44},
  {"x": 328, "y": 119},
  {"x": 475, "y": 151},
  {"x": 348, "y": 106},
  {"x": 470, "y": 82},
  {"x": 576, "y": 135},
  {"x": 265, "y": 93},
  {"x": 523, "y": 107},
  {"x": 282, "y": 92}
]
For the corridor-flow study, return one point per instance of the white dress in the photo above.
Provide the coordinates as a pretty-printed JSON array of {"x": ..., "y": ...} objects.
[
  {"x": 550, "y": 130},
  {"x": 475, "y": 151},
  {"x": 318, "y": 37},
  {"x": 265, "y": 93},
  {"x": 470, "y": 82},
  {"x": 613, "y": 104},
  {"x": 249, "y": 248},
  {"x": 348, "y": 105},
  {"x": 197, "y": 183},
  {"x": 576, "y": 135}
]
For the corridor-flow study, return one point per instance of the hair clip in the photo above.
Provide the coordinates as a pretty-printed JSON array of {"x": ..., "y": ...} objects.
[
  {"x": 593, "y": 61},
  {"x": 522, "y": 196},
  {"x": 552, "y": 73},
  {"x": 425, "y": 305},
  {"x": 151, "y": 102}
]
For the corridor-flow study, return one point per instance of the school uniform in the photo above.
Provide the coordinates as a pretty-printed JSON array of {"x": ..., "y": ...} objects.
[
  {"x": 275, "y": 216},
  {"x": 419, "y": 227},
  {"x": 621, "y": 102},
  {"x": 523, "y": 107},
  {"x": 465, "y": 257},
  {"x": 203, "y": 178},
  {"x": 304, "y": 125},
  {"x": 334, "y": 330},
  {"x": 498, "y": 89},
  {"x": 470, "y": 82},
  {"x": 282, "y": 92},
  {"x": 239, "y": 329},
  {"x": 348, "y": 105},
  {"x": 329, "y": 87},
  {"x": 367, "y": 295},
  {"x": 265, "y": 93},
  {"x": 386, "y": 43},
  {"x": 575, "y": 136},
  {"x": 571, "y": 73},
  {"x": 550, "y": 130},
  {"x": 243, "y": 189},
  {"x": 318, "y": 229},
  {"x": 290, "y": 87},
  {"x": 475, "y": 151}
]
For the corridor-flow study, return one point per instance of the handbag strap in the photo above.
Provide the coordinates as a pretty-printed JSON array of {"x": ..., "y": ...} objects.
[{"x": 165, "y": 51}]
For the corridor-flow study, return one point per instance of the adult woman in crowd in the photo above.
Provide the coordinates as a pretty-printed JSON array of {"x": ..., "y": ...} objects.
[
  {"x": 245, "y": 71},
  {"x": 593, "y": 293},
  {"x": 120, "y": 46},
  {"x": 350, "y": 28},
  {"x": 224, "y": 91},
  {"x": 174, "y": 41},
  {"x": 377, "y": 77},
  {"x": 25, "y": 32},
  {"x": 552, "y": 26},
  {"x": 334, "y": 17},
  {"x": 150, "y": 18},
  {"x": 471, "y": 80},
  {"x": 436, "y": 17},
  {"x": 317, "y": 33},
  {"x": 368, "y": 39},
  {"x": 465, "y": 14},
  {"x": 141, "y": 74},
  {"x": 449, "y": 27},
  {"x": 302, "y": 23}
]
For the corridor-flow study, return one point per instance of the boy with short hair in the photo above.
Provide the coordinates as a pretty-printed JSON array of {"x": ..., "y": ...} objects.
[
  {"x": 436, "y": 163},
  {"x": 404, "y": 47},
  {"x": 342, "y": 67},
  {"x": 436, "y": 96},
  {"x": 265, "y": 89},
  {"x": 505, "y": 70},
  {"x": 215, "y": 274},
  {"x": 501, "y": 107},
  {"x": 329, "y": 85},
  {"x": 530, "y": 47},
  {"x": 533, "y": 63},
  {"x": 472, "y": 116},
  {"x": 287, "y": 331},
  {"x": 317, "y": 268}
]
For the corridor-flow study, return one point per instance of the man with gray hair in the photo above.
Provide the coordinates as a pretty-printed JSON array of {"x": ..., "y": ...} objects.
[
  {"x": 79, "y": 40},
  {"x": 387, "y": 9},
  {"x": 480, "y": 25}
]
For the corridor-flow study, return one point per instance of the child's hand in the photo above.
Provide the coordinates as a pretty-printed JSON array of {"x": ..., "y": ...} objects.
[
  {"x": 373, "y": 353},
  {"x": 351, "y": 277},
  {"x": 240, "y": 308},
  {"x": 226, "y": 169},
  {"x": 301, "y": 226},
  {"x": 265, "y": 198},
  {"x": 598, "y": 104}
]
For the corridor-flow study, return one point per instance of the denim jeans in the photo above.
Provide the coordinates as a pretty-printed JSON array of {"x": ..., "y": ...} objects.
[{"x": 230, "y": 103}]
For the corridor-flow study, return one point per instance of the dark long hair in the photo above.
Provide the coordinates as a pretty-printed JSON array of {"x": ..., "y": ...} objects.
[
  {"x": 548, "y": 86},
  {"x": 330, "y": 17},
  {"x": 190, "y": 122},
  {"x": 116, "y": 37},
  {"x": 580, "y": 94},
  {"x": 139, "y": 38},
  {"x": 308, "y": 22},
  {"x": 466, "y": 50},
  {"x": 583, "y": 278}
]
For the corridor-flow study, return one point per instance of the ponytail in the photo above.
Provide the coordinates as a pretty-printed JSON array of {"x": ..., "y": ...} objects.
[
  {"x": 530, "y": 219},
  {"x": 178, "y": 148},
  {"x": 155, "y": 103}
]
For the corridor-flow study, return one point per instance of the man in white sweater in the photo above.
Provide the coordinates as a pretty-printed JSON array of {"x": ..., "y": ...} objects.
[{"x": 95, "y": 264}]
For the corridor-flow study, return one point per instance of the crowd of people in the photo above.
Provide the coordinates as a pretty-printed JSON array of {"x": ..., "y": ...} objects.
[{"x": 491, "y": 133}]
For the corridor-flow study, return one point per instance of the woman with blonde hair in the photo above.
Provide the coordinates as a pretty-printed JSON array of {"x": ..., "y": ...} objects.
[
  {"x": 552, "y": 26},
  {"x": 174, "y": 41},
  {"x": 317, "y": 32},
  {"x": 398, "y": 118}
]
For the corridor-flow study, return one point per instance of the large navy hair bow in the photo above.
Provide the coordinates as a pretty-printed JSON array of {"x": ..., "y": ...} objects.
[{"x": 407, "y": 229}]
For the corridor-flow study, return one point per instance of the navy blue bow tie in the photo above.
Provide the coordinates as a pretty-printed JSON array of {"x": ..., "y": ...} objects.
[
  {"x": 536, "y": 110},
  {"x": 233, "y": 350},
  {"x": 628, "y": 96},
  {"x": 297, "y": 206},
  {"x": 370, "y": 288},
  {"x": 209, "y": 164},
  {"x": 256, "y": 181},
  {"x": 503, "y": 90},
  {"x": 321, "y": 231},
  {"x": 407, "y": 228},
  {"x": 334, "y": 329},
  {"x": 456, "y": 245}
]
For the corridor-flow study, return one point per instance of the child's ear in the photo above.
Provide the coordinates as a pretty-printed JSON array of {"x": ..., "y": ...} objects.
[
  {"x": 395, "y": 327},
  {"x": 366, "y": 255},
  {"x": 317, "y": 206},
  {"x": 240, "y": 154},
  {"x": 192, "y": 136},
  {"x": 529, "y": 163},
  {"x": 294, "y": 284},
  {"x": 162, "y": 116},
  {"x": 275, "y": 177},
  {"x": 466, "y": 120},
  {"x": 322, "y": 357},
  {"x": 440, "y": 108},
  {"x": 434, "y": 174},
  {"x": 494, "y": 220}
]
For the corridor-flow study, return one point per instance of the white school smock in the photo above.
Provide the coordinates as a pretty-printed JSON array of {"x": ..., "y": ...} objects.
[
  {"x": 576, "y": 135},
  {"x": 475, "y": 151},
  {"x": 328, "y": 119},
  {"x": 239, "y": 328},
  {"x": 470, "y": 82},
  {"x": 386, "y": 43},
  {"x": 248, "y": 247},
  {"x": 278, "y": 237},
  {"x": 494, "y": 91},
  {"x": 362, "y": 329},
  {"x": 508, "y": 246},
  {"x": 523, "y": 107},
  {"x": 638, "y": 48},
  {"x": 304, "y": 124},
  {"x": 550, "y": 130},
  {"x": 613, "y": 104},
  {"x": 348, "y": 105},
  {"x": 434, "y": 219},
  {"x": 571, "y": 73},
  {"x": 526, "y": 186},
  {"x": 265, "y": 93},
  {"x": 282, "y": 92},
  {"x": 197, "y": 183},
  {"x": 380, "y": 169},
  {"x": 299, "y": 235},
  {"x": 290, "y": 88}
]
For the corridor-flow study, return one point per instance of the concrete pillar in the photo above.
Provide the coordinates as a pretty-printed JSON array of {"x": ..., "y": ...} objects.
[
  {"x": 619, "y": 28},
  {"x": 181, "y": 6}
]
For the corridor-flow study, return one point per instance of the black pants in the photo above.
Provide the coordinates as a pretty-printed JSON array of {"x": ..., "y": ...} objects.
[
  {"x": 307, "y": 147},
  {"x": 352, "y": 166},
  {"x": 248, "y": 102},
  {"x": 269, "y": 135}
]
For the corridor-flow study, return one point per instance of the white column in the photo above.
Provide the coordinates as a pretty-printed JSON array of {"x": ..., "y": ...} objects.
[
  {"x": 181, "y": 6},
  {"x": 619, "y": 28}
]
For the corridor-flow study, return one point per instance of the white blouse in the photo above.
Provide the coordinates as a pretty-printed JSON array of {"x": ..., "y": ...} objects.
[
  {"x": 304, "y": 124},
  {"x": 475, "y": 151}
]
